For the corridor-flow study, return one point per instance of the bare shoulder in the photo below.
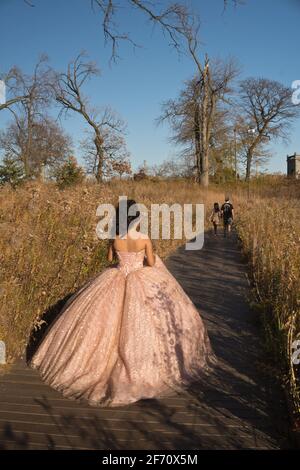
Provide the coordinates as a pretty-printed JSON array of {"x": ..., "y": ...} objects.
[
  {"x": 148, "y": 243},
  {"x": 144, "y": 242}
]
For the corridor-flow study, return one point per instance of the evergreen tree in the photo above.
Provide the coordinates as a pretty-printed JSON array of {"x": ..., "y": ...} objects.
[
  {"x": 11, "y": 172},
  {"x": 69, "y": 173}
]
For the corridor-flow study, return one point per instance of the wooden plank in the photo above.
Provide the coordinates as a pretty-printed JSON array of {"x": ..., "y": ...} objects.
[
  {"x": 34, "y": 422},
  {"x": 120, "y": 415},
  {"x": 232, "y": 409},
  {"x": 13, "y": 445}
]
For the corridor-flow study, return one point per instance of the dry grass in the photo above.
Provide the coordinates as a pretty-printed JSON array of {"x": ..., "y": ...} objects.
[
  {"x": 269, "y": 227},
  {"x": 49, "y": 247}
]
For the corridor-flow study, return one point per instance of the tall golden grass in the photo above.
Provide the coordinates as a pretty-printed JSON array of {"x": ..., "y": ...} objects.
[
  {"x": 269, "y": 228},
  {"x": 49, "y": 247}
]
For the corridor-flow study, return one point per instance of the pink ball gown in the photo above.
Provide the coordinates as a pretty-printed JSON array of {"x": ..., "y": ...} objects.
[{"x": 129, "y": 334}]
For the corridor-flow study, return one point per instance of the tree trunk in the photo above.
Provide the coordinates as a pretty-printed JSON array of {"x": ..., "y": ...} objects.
[
  {"x": 248, "y": 167},
  {"x": 100, "y": 158},
  {"x": 204, "y": 142},
  {"x": 197, "y": 134},
  {"x": 204, "y": 180},
  {"x": 28, "y": 150}
]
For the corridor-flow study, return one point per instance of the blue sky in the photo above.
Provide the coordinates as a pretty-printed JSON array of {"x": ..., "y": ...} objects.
[{"x": 263, "y": 35}]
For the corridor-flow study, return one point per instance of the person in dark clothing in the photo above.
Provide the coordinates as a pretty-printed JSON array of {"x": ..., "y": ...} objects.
[{"x": 227, "y": 215}]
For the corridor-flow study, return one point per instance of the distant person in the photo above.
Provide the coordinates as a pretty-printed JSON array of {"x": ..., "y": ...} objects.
[
  {"x": 227, "y": 213},
  {"x": 215, "y": 217}
]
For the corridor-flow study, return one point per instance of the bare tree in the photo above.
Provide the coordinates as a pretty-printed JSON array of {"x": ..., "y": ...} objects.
[
  {"x": 172, "y": 168},
  {"x": 12, "y": 80},
  {"x": 195, "y": 115},
  {"x": 179, "y": 113},
  {"x": 223, "y": 147},
  {"x": 69, "y": 94},
  {"x": 210, "y": 88},
  {"x": 267, "y": 111},
  {"x": 121, "y": 168},
  {"x": 33, "y": 97},
  {"x": 115, "y": 154},
  {"x": 181, "y": 26},
  {"x": 171, "y": 18},
  {"x": 167, "y": 17},
  {"x": 49, "y": 144}
]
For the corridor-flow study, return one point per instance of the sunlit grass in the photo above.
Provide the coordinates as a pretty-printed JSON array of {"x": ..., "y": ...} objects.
[
  {"x": 269, "y": 228},
  {"x": 49, "y": 247}
]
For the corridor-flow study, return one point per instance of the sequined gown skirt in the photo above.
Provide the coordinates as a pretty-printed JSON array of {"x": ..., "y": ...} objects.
[{"x": 129, "y": 334}]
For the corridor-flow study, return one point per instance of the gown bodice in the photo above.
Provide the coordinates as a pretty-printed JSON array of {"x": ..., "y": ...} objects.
[{"x": 130, "y": 260}]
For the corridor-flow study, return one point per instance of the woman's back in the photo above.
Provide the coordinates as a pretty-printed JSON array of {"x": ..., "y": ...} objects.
[
  {"x": 130, "y": 243},
  {"x": 133, "y": 242}
]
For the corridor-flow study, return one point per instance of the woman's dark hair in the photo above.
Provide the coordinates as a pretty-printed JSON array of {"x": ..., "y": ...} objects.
[
  {"x": 216, "y": 207},
  {"x": 124, "y": 206}
]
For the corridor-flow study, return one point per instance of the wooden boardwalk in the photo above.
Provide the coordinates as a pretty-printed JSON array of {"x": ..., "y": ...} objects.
[{"x": 239, "y": 407}]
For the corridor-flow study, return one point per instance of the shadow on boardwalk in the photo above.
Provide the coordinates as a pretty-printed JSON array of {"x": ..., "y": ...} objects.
[{"x": 238, "y": 407}]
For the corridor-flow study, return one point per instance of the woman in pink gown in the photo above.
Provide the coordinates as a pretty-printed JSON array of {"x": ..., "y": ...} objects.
[{"x": 129, "y": 334}]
